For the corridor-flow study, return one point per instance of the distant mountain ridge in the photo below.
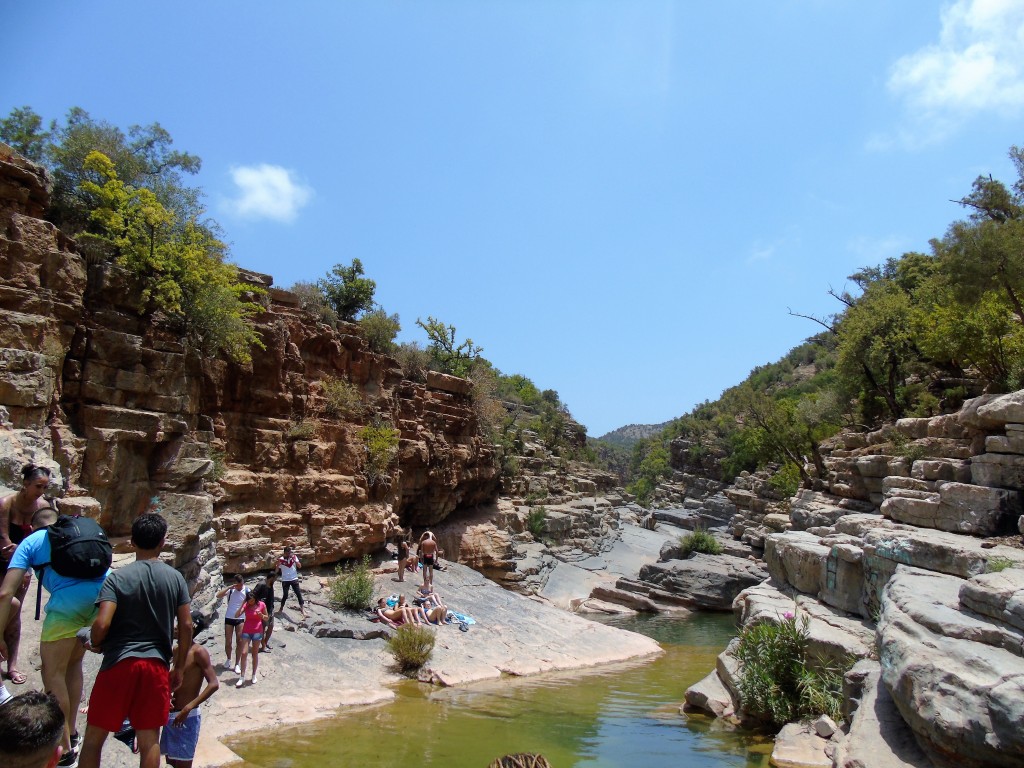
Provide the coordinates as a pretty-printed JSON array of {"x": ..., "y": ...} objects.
[{"x": 630, "y": 434}]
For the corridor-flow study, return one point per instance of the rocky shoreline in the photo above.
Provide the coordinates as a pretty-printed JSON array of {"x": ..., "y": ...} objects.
[{"x": 339, "y": 659}]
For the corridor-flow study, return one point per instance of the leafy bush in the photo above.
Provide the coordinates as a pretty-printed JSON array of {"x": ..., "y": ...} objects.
[
  {"x": 997, "y": 564},
  {"x": 342, "y": 398},
  {"x": 787, "y": 480},
  {"x": 379, "y": 329},
  {"x": 699, "y": 540},
  {"x": 380, "y": 439},
  {"x": 353, "y": 586},
  {"x": 306, "y": 429},
  {"x": 219, "y": 459},
  {"x": 312, "y": 300},
  {"x": 414, "y": 361},
  {"x": 411, "y": 646},
  {"x": 777, "y": 681},
  {"x": 535, "y": 520}
]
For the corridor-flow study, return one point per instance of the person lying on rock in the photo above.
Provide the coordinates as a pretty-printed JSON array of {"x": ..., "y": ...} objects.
[
  {"x": 393, "y": 617},
  {"x": 434, "y": 611}
]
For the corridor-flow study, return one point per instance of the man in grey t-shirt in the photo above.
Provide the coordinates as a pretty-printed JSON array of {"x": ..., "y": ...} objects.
[{"x": 134, "y": 630}]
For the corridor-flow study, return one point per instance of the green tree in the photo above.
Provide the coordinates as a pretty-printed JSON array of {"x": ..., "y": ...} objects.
[
  {"x": 181, "y": 267},
  {"x": 347, "y": 291},
  {"x": 142, "y": 158},
  {"x": 23, "y": 130},
  {"x": 449, "y": 357}
]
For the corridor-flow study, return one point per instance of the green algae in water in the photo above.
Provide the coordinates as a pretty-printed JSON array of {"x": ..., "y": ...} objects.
[{"x": 626, "y": 715}]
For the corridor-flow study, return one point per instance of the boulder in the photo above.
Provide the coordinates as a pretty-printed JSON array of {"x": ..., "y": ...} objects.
[
  {"x": 962, "y": 697},
  {"x": 997, "y": 595},
  {"x": 704, "y": 581},
  {"x": 710, "y": 695},
  {"x": 797, "y": 745},
  {"x": 797, "y": 558}
]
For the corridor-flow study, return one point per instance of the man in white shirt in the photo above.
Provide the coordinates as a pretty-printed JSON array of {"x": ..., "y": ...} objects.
[{"x": 288, "y": 566}]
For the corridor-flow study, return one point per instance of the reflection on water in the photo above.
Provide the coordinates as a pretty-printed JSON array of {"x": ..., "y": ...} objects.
[{"x": 627, "y": 715}]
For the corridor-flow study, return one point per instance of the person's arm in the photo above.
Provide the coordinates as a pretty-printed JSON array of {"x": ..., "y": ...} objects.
[
  {"x": 10, "y": 585},
  {"x": 101, "y": 625},
  {"x": 202, "y": 660},
  {"x": 240, "y": 611},
  {"x": 184, "y": 644},
  {"x": 7, "y": 546},
  {"x": 263, "y": 613}
]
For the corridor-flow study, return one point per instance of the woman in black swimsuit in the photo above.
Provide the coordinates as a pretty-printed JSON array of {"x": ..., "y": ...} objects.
[{"x": 16, "y": 513}]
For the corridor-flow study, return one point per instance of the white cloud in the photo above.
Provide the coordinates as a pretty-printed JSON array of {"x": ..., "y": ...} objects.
[
  {"x": 267, "y": 192},
  {"x": 976, "y": 66}
]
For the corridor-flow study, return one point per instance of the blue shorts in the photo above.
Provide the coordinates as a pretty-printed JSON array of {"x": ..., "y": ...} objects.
[
  {"x": 253, "y": 637},
  {"x": 179, "y": 742}
]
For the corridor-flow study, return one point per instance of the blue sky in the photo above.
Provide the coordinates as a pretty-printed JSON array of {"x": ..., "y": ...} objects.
[{"x": 619, "y": 200}]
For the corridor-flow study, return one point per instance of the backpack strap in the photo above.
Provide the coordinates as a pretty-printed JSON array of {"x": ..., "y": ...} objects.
[{"x": 39, "y": 586}]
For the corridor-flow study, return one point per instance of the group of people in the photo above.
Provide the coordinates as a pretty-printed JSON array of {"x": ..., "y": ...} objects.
[
  {"x": 249, "y": 614},
  {"x": 131, "y": 616},
  {"x": 427, "y": 608}
]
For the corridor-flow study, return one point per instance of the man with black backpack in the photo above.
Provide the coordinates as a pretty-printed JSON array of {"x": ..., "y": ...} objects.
[{"x": 71, "y": 557}]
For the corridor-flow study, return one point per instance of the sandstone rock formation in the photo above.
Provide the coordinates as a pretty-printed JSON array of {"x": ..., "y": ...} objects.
[
  {"x": 242, "y": 458},
  {"x": 909, "y": 529}
]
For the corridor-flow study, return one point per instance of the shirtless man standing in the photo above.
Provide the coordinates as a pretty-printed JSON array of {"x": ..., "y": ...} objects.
[
  {"x": 428, "y": 557},
  {"x": 181, "y": 734}
]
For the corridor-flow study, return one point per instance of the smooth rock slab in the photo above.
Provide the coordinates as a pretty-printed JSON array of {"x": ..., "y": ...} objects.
[
  {"x": 878, "y": 737},
  {"x": 962, "y": 698},
  {"x": 997, "y": 595}
]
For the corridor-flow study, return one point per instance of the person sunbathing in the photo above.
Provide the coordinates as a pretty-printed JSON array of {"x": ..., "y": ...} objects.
[{"x": 393, "y": 617}]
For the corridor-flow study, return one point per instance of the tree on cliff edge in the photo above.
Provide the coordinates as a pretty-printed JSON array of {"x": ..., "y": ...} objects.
[{"x": 347, "y": 292}]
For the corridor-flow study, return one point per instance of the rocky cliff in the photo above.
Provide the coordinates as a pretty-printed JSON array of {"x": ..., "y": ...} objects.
[
  {"x": 908, "y": 556},
  {"x": 241, "y": 458}
]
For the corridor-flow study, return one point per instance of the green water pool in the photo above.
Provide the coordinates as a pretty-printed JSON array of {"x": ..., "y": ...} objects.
[{"x": 626, "y": 715}]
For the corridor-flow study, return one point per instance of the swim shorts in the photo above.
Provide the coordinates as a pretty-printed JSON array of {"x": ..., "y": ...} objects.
[
  {"x": 254, "y": 637},
  {"x": 179, "y": 742},
  {"x": 133, "y": 689},
  {"x": 64, "y": 621}
]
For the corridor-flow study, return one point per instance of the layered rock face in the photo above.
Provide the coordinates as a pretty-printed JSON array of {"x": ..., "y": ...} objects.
[
  {"x": 243, "y": 459},
  {"x": 914, "y": 531}
]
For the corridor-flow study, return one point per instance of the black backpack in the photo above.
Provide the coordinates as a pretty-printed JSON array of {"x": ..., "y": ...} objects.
[{"x": 79, "y": 549}]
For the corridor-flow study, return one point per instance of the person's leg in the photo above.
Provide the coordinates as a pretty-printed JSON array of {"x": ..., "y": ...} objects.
[
  {"x": 56, "y": 656},
  {"x": 229, "y": 636},
  {"x": 73, "y": 678},
  {"x": 239, "y": 653},
  {"x": 298, "y": 594},
  {"x": 284, "y": 594},
  {"x": 244, "y": 645},
  {"x": 92, "y": 747},
  {"x": 149, "y": 747},
  {"x": 255, "y": 659},
  {"x": 12, "y": 636}
]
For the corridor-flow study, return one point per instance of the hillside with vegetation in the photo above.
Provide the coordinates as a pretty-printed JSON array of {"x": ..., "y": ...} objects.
[
  {"x": 125, "y": 197},
  {"x": 919, "y": 334}
]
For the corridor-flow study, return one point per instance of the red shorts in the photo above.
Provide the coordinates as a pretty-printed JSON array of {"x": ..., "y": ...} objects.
[{"x": 134, "y": 689}]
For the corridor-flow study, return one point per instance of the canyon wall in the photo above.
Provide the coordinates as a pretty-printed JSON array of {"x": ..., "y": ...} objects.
[{"x": 242, "y": 459}]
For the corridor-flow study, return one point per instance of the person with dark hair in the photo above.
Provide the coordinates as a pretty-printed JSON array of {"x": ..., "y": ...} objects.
[
  {"x": 71, "y": 606},
  {"x": 265, "y": 593},
  {"x": 31, "y": 726},
  {"x": 288, "y": 566},
  {"x": 236, "y": 593},
  {"x": 134, "y": 629},
  {"x": 16, "y": 513},
  {"x": 180, "y": 735}
]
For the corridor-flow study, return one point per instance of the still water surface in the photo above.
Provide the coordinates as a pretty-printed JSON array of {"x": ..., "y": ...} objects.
[{"x": 627, "y": 715}]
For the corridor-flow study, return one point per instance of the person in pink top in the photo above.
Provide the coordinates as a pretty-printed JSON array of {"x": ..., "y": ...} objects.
[{"x": 255, "y": 612}]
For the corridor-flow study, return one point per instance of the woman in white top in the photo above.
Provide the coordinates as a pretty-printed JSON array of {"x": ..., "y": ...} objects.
[{"x": 236, "y": 593}]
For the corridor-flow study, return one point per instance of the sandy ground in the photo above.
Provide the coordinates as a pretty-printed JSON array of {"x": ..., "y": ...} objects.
[{"x": 305, "y": 677}]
